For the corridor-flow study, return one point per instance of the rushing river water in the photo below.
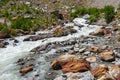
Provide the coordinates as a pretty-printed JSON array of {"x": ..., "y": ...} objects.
[{"x": 9, "y": 70}]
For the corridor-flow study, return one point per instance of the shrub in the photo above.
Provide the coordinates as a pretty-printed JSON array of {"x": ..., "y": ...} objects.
[
  {"x": 92, "y": 18},
  {"x": 22, "y": 23},
  {"x": 109, "y": 13}
]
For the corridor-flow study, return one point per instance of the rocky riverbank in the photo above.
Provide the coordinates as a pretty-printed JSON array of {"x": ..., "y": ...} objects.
[
  {"x": 95, "y": 56},
  {"x": 74, "y": 43}
]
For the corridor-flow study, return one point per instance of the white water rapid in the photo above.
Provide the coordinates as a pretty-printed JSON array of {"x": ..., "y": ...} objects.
[{"x": 9, "y": 70}]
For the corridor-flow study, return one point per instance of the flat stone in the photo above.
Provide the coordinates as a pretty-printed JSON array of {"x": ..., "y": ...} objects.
[{"x": 26, "y": 69}]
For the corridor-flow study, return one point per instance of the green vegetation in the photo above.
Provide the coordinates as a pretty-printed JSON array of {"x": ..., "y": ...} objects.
[
  {"x": 3, "y": 28},
  {"x": 109, "y": 13},
  {"x": 94, "y": 13},
  {"x": 22, "y": 23},
  {"x": 26, "y": 18}
]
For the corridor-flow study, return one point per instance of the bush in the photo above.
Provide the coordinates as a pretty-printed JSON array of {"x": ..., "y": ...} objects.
[
  {"x": 3, "y": 28},
  {"x": 109, "y": 13},
  {"x": 92, "y": 11},
  {"x": 22, "y": 23},
  {"x": 92, "y": 18}
]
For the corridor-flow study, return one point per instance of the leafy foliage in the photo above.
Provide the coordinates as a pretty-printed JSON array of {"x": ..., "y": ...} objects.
[
  {"x": 109, "y": 13},
  {"x": 22, "y": 23}
]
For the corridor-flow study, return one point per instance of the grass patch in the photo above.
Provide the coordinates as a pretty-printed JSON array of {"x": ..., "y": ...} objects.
[
  {"x": 109, "y": 13},
  {"x": 94, "y": 13},
  {"x": 22, "y": 23}
]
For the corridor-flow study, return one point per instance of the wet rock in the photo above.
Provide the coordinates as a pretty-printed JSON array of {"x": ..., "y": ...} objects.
[
  {"x": 94, "y": 49},
  {"x": 91, "y": 59},
  {"x": 82, "y": 50},
  {"x": 86, "y": 53},
  {"x": 62, "y": 60},
  {"x": 104, "y": 47},
  {"x": 79, "y": 65},
  {"x": 16, "y": 41},
  {"x": 38, "y": 37},
  {"x": 6, "y": 43},
  {"x": 71, "y": 52},
  {"x": 76, "y": 49},
  {"x": 100, "y": 31},
  {"x": 26, "y": 69},
  {"x": 61, "y": 31},
  {"x": 40, "y": 48},
  {"x": 107, "y": 55},
  {"x": 99, "y": 71},
  {"x": 115, "y": 71},
  {"x": 4, "y": 35},
  {"x": 2, "y": 45}
]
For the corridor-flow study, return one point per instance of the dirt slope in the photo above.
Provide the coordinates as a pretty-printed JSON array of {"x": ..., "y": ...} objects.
[{"x": 101, "y": 3}]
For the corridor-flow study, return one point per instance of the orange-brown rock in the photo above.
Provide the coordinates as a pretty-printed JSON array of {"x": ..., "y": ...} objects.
[
  {"x": 99, "y": 71},
  {"x": 94, "y": 49},
  {"x": 107, "y": 55},
  {"x": 4, "y": 35},
  {"x": 26, "y": 69},
  {"x": 80, "y": 65},
  {"x": 62, "y": 60},
  {"x": 101, "y": 31},
  {"x": 115, "y": 71}
]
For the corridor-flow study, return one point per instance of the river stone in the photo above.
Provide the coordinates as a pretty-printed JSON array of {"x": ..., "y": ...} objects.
[
  {"x": 26, "y": 69},
  {"x": 4, "y": 35},
  {"x": 99, "y": 71},
  {"x": 91, "y": 59},
  {"x": 62, "y": 60},
  {"x": 79, "y": 65},
  {"x": 107, "y": 55},
  {"x": 82, "y": 50},
  {"x": 115, "y": 71},
  {"x": 2, "y": 45}
]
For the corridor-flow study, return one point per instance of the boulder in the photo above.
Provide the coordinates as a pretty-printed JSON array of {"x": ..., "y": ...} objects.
[
  {"x": 62, "y": 60},
  {"x": 4, "y": 35},
  {"x": 61, "y": 31},
  {"x": 99, "y": 71},
  {"x": 107, "y": 55},
  {"x": 80, "y": 65},
  {"x": 2, "y": 45}
]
